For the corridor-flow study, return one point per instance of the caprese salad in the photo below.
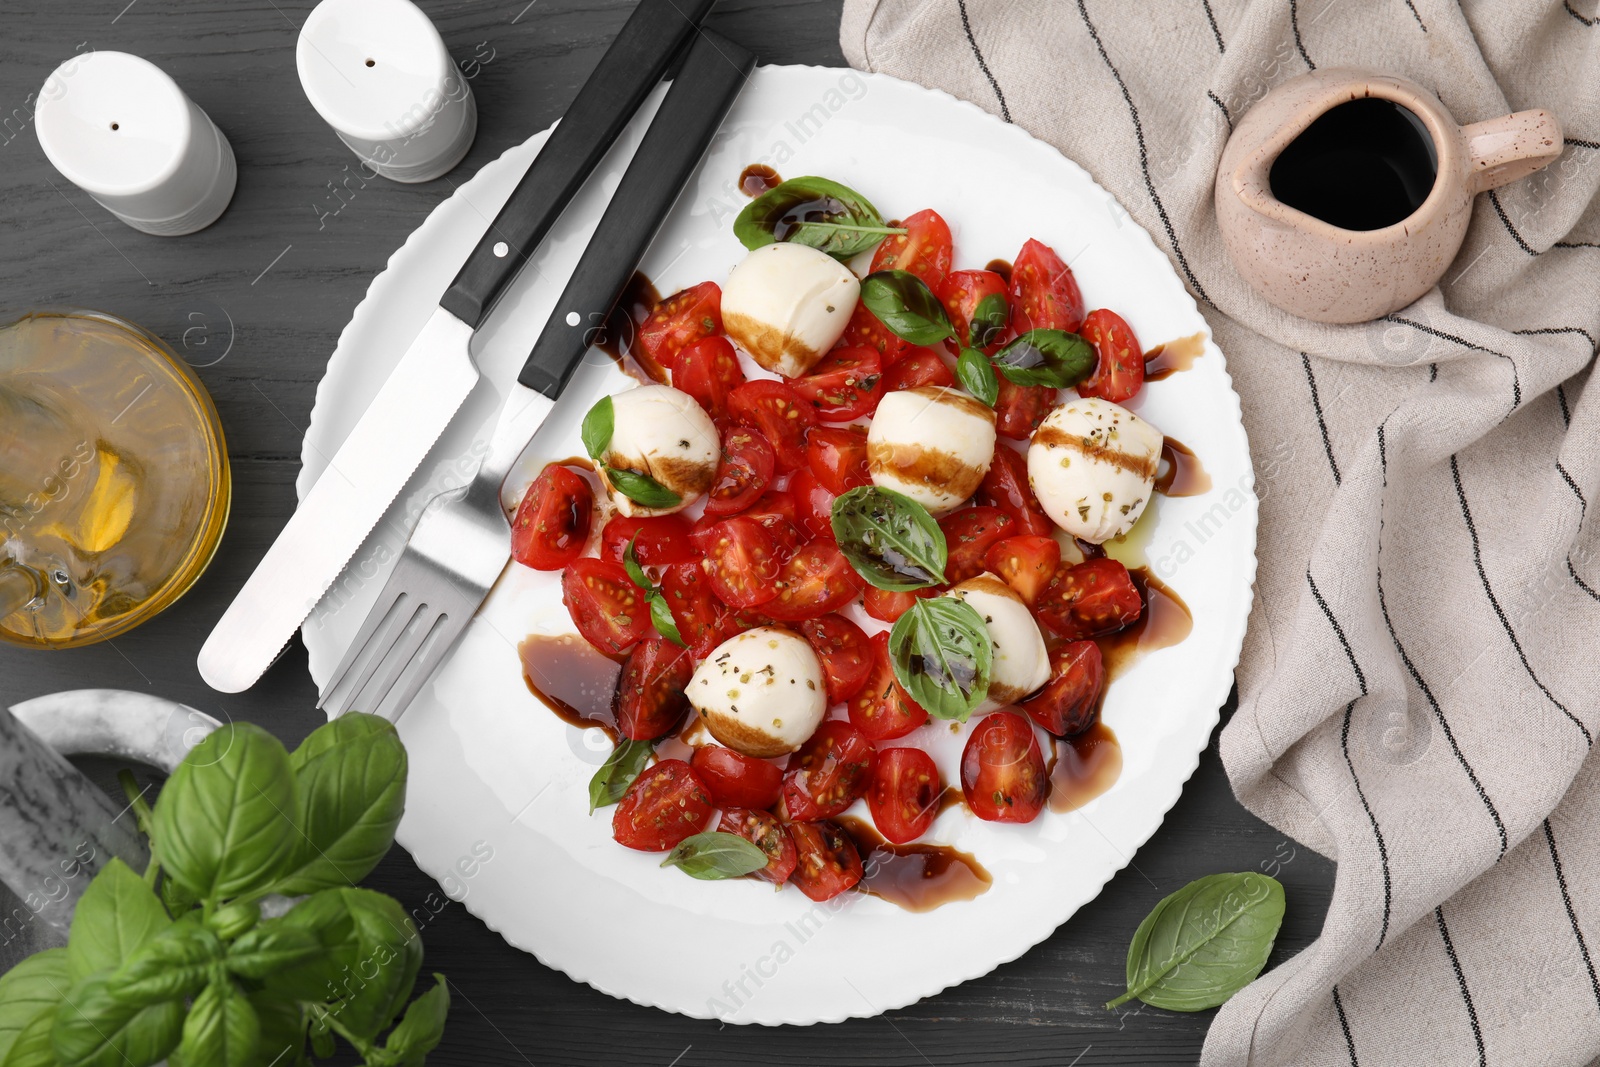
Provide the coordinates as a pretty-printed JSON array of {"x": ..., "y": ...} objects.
[{"x": 936, "y": 452}]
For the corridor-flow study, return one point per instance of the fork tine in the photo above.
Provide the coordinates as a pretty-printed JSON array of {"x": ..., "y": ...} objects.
[
  {"x": 383, "y": 625},
  {"x": 418, "y": 669},
  {"x": 387, "y": 668}
]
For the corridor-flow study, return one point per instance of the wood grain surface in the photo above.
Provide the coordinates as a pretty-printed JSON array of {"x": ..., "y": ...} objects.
[{"x": 256, "y": 302}]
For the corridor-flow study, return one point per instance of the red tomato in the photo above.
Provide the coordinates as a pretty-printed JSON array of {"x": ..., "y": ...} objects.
[
  {"x": 709, "y": 371},
  {"x": 905, "y": 793},
  {"x": 815, "y": 580},
  {"x": 737, "y": 780},
  {"x": 1006, "y": 487},
  {"x": 679, "y": 321},
  {"x": 775, "y": 504},
  {"x": 864, "y": 328},
  {"x": 658, "y": 540},
  {"x": 552, "y": 522},
  {"x": 609, "y": 610},
  {"x": 1021, "y": 408},
  {"x": 969, "y": 533},
  {"x": 1002, "y": 770},
  {"x": 845, "y": 384},
  {"x": 1119, "y": 372},
  {"x": 888, "y": 606},
  {"x": 1095, "y": 597},
  {"x": 1043, "y": 293},
  {"x": 665, "y": 804},
  {"x": 883, "y": 710},
  {"x": 961, "y": 294},
  {"x": 813, "y": 503},
  {"x": 649, "y": 699},
  {"x": 845, "y": 652},
  {"x": 778, "y": 412},
  {"x": 769, "y": 835},
  {"x": 742, "y": 561},
  {"x": 829, "y": 773},
  {"x": 1070, "y": 700},
  {"x": 1026, "y": 563},
  {"x": 703, "y": 621},
  {"x": 743, "y": 471},
  {"x": 837, "y": 455},
  {"x": 920, "y": 367},
  {"x": 924, "y": 249},
  {"x": 828, "y": 863}
]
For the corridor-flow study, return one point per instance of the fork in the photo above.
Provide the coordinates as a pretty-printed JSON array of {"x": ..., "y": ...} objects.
[{"x": 462, "y": 543}]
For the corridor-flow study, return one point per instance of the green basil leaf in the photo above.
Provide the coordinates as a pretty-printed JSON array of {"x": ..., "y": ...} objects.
[
  {"x": 1205, "y": 942},
  {"x": 816, "y": 212},
  {"x": 283, "y": 1030},
  {"x": 33, "y": 1047},
  {"x": 95, "y": 1029},
  {"x": 270, "y": 948},
  {"x": 642, "y": 489},
  {"x": 891, "y": 540},
  {"x": 598, "y": 426},
  {"x": 714, "y": 855},
  {"x": 321, "y": 1039},
  {"x": 904, "y": 303},
  {"x": 989, "y": 321},
  {"x": 118, "y": 913},
  {"x": 350, "y": 781},
  {"x": 421, "y": 1028},
  {"x": 222, "y": 1029},
  {"x": 661, "y": 618},
  {"x": 30, "y": 990},
  {"x": 977, "y": 376},
  {"x": 171, "y": 966},
  {"x": 630, "y": 563},
  {"x": 232, "y": 920},
  {"x": 227, "y": 820},
  {"x": 1053, "y": 358},
  {"x": 942, "y": 656},
  {"x": 610, "y": 783}
]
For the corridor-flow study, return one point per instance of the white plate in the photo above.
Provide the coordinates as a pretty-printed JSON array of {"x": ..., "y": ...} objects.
[{"x": 497, "y": 809}]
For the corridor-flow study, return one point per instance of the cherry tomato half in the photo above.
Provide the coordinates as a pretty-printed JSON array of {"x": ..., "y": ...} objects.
[
  {"x": 658, "y": 540},
  {"x": 924, "y": 249},
  {"x": 1020, "y": 409},
  {"x": 737, "y": 780},
  {"x": 609, "y": 610},
  {"x": 552, "y": 522},
  {"x": 882, "y": 710},
  {"x": 1094, "y": 597},
  {"x": 813, "y": 503},
  {"x": 778, "y": 412},
  {"x": 1005, "y": 486},
  {"x": 743, "y": 471},
  {"x": 1026, "y": 563},
  {"x": 905, "y": 794},
  {"x": 921, "y": 366},
  {"x": 963, "y": 292},
  {"x": 887, "y": 606},
  {"x": 1070, "y": 699},
  {"x": 650, "y": 697},
  {"x": 709, "y": 371},
  {"x": 829, "y": 772},
  {"x": 1043, "y": 293},
  {"x": 1003, "y": 773},
  {"x": 864, "y": 328},
  {"x": 828, "y": 861},
  {"x": 1119, "y": 372},
  {"x": 679, "y": 321},
  {"x": 969, "y": 533},
  {"x": 742, "y": 561},
  {"x": 763, "y": 830},
  {"x": 837, "y": 455},
  {"x": 845, "y": 384},
  {"x": 814, "y": 581},
  {"x": 845, "y": 652},
  {"x": 665, "y": 804},
  {"x": 703, "y": 621}
]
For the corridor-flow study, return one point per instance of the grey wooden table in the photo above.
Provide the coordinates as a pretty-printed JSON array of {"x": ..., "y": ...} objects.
[{"x": 257, "y": 302}]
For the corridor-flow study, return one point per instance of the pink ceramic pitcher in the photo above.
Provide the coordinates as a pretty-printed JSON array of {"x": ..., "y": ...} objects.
[{"x": 1320, "y": 271}]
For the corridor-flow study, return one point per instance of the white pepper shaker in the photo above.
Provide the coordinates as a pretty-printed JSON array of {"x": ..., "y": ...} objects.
[
  {"x": 379, "y": 74},
  {"x": 117, "y": 127}
]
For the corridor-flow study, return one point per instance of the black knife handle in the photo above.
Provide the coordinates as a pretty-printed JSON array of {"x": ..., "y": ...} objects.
[
  {"x": 631, "y": 67},
  {"x": 691, "y": 114}
]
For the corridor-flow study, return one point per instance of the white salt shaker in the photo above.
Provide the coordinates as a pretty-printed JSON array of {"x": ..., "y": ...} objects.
[
  {"x": 120, "y": 129},
  {"x": 379, "y": 74}
]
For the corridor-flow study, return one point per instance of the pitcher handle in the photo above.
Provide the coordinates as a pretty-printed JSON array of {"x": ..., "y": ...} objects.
[{"x": 1511, "y": 147}]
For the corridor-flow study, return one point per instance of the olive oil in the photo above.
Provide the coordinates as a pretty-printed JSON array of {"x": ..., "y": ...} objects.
[{"x": 114, "y": 481}]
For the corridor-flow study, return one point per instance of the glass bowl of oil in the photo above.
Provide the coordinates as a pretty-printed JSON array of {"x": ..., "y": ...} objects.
[{"x": 114, "y": 480}]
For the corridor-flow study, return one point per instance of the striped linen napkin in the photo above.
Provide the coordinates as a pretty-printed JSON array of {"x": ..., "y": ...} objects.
[{"x": 1420, "y": 684}]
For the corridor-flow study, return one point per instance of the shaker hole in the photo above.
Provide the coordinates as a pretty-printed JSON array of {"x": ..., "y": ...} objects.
[
  {"x": 116, "y": 126},
  {"x": 371, "y": 63}
]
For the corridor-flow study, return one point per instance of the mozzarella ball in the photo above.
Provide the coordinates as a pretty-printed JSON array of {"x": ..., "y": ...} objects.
[
  {"x": 663, "y": 433},
  {"x": 1092, "y": 465},
  {"x": 761, "y": 692},
  {"x": 1021, "y": 662},
  {"x": 787, "y": 304},
  {"x": 932, "y": 443}
]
